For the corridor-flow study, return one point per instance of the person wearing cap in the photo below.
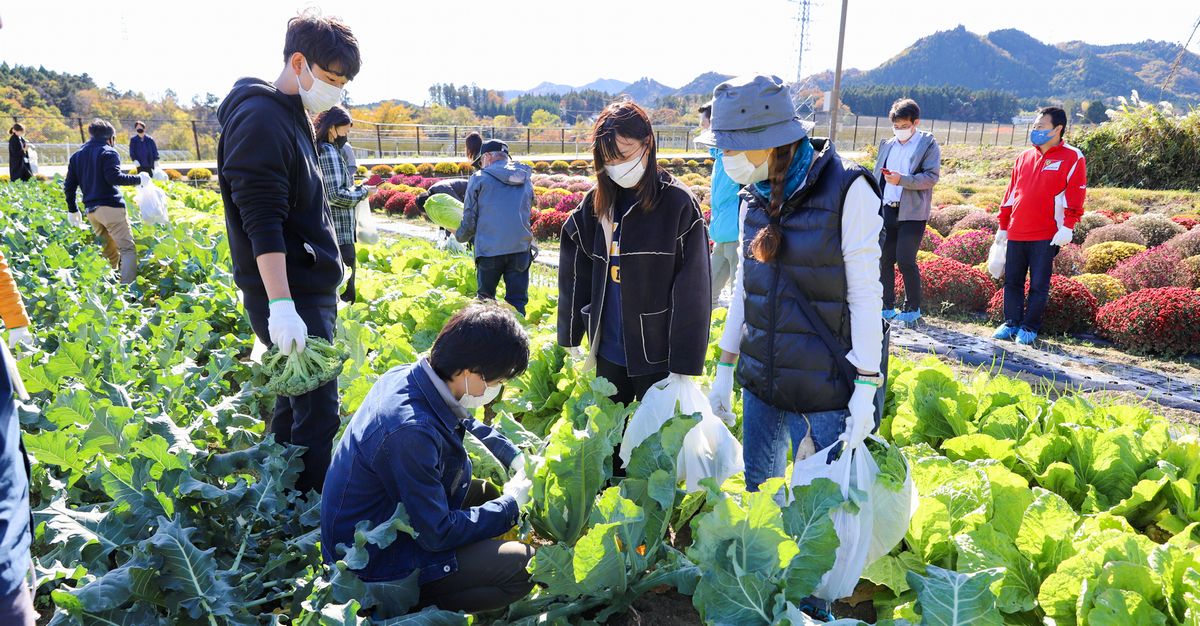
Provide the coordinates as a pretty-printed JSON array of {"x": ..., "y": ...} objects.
[
  {"x": 95, "y": 170},
  {"x": 633, "y": 264},
  {"x": 723, "y": 226},
  {"x": 496, "y": 215},
  {"x": 807, "y": 299},
  {"x": 142, "y": 148},
  {"x": 908, "y": 167},
  {"x": 810, "y": 234}
]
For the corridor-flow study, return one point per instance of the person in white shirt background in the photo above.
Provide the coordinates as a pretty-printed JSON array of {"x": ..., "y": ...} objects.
[
  {"x": 907, "y": 168},
  {"x": 808, "y": 266}
]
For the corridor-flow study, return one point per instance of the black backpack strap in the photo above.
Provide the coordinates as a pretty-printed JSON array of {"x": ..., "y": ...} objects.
[{"x": 836, "y": 347}]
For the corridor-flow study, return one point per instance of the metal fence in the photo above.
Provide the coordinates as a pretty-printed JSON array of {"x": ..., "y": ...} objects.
[
  {"x": 196, "y": 140},
  {"x": 373, "y": 140},
  {"x": 856, "y": 132}
]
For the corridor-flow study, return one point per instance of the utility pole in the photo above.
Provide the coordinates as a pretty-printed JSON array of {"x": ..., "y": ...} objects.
[{"x": 836, "y": 96}]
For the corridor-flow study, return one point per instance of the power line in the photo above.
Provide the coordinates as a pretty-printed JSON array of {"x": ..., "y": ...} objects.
[{"x": 1178, "y": 60}]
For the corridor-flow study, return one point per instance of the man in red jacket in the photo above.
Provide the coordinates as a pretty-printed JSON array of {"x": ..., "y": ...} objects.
[{"x": 1043, "y": 202}]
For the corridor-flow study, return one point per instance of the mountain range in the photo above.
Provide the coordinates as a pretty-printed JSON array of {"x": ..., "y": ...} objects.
[
  {"x": 645, "y": 90},
  {"x": 1011, "y": 60},
  {"x": 1006, "y": 60}
]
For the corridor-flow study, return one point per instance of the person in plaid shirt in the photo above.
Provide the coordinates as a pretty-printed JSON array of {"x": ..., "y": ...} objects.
[{"x": 333, "y": 130}]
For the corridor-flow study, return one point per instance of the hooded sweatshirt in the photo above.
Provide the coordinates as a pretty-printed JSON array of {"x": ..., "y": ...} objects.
[
  {"x": 496, "y": 210},
  {"x": 271, "y": 186}
]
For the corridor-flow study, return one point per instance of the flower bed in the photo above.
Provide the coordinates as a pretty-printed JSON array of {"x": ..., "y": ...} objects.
[
  {"x": 1153, "y": 321},
  {"x": 949, "y": 286},
  {"x": 1071, "y": 307},
  {"x": 968, "y": 247},
  {"x": 1114, "y": 232},
  {"x": 1104, "y": 287},
  {"x": 1156, "y": 267},
  {"x": 1101, "y": 258}
]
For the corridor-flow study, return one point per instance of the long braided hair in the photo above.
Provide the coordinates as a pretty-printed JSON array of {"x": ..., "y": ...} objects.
[{"x": 768, "y": 243}]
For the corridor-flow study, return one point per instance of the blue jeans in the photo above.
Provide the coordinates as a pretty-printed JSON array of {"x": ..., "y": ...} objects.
[
  {"x": 1035, "y": 259},
  {"x": 514, "y": 269},
  {"x": 766, "y": 431}
]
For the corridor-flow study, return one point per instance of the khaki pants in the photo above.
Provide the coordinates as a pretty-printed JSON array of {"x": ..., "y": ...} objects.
[
  {"x": 112, "y": 224},
  {"x": 724, "y": 267}
]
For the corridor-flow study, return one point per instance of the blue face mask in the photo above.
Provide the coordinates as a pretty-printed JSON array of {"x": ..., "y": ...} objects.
[{"x": 1040, "y": 137}]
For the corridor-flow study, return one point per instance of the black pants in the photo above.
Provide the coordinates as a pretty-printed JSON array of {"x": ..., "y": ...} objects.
[
  {"x": 629, "y": 389},
  {"x": 1035, "y": 259},
  {"x": 350, "y": 258},
  {"x": 310, "y": 420},
  {"x": 491, "y": 573},
  {"x": 149, "y": 169},
  {"x": 514, "y": 269},
  {"x": 901, "y": 242}
]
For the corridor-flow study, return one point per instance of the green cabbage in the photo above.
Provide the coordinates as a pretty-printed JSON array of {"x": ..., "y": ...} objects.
[{"x": 444, "y": 210}]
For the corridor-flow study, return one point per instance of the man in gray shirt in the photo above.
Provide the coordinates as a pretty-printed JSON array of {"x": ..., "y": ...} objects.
[{"x": 908, "y": 166}]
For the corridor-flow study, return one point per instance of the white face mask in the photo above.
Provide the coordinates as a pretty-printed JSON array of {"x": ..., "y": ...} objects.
[
  {"x": 625, "y": 175},
  {"x": 321, "y": 96},
  {"x": 742, "y": 171},
  {"x": 471, "y": 401},
  {"x": 903, "y": 134}
]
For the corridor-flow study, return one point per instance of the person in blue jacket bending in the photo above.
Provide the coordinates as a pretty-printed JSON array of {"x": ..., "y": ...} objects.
[{"x": 404, "y": 446}]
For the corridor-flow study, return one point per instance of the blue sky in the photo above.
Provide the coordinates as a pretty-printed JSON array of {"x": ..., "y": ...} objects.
[{"x": 407, "y": 46}]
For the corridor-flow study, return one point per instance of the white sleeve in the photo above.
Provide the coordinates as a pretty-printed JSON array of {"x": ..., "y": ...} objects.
[
  {"x": 861, "y": 225},
  {"x": 731, "y": 337}
]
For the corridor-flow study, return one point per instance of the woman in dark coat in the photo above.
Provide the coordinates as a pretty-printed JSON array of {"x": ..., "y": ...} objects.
[{"x": 18, "y": 154}]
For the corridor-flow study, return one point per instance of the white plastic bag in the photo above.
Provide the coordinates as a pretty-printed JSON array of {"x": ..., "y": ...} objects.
[
  {"x": 159, "y": 174},
  {"x": 32, "y": 157},
  {"x": 365, "y": 226},
  {"x": 878, "y": 526},
  {"x": 152, "y": 202},
  {"x": 709, "y": 449},
  {"x": 996, "y": 256}
]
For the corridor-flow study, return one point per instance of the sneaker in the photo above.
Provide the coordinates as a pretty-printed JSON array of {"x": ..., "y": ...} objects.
[
  {"x": 908, "y": 317},
  {"x": 889, "y": 314},
  {"x": 817, "y": 610},
  {"x": 1026, "y": 337},
  {"x": 1005, "y": 332}
]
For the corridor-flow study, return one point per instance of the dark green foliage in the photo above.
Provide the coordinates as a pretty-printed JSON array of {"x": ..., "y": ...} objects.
[
  {"x": 937, "y": 102},
  {"x": 1145, "y": 148}
]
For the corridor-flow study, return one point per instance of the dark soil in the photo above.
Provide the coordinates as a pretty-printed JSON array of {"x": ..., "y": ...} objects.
[{"x": 666, "y": 607}]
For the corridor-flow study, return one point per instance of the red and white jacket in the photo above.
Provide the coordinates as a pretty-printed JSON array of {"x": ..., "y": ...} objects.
[{"x": 1046, "y": 191}]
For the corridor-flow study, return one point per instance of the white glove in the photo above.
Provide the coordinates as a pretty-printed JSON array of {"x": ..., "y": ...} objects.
[
  {"x": 288, "y": 332},
  {"x": 137, "y": 163},
  {"x": 517, "y": 466},
  {"x": 862, "y": 415},
  {"x": 1062, "y": 237},
  {"x": 518, "y": 487},
  {"x": 145, "y": 176},
  {"x": 720, "y": 398},
  {"x": 576, "y": 352},
  {"x": 20, "y": 336},
  {"x": 75, "y": 219},
  {"x": 1002, "y": 236}
]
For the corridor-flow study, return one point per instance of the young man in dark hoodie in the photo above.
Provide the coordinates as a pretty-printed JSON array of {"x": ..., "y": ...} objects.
[{"x": 285, "y": 253}]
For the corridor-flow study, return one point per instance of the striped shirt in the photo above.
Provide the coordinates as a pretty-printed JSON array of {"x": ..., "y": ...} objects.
[{"x": 340, "y": 190}]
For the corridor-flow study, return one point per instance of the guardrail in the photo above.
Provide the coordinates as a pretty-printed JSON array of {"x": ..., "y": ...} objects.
[{"x": 188, "y": 140}]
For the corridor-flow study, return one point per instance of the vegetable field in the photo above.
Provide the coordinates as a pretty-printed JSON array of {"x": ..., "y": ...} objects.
[{"x": 158, "y": 500}]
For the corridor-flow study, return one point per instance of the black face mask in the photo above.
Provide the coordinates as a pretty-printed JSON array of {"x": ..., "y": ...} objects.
[
  {"x": 141, "y": 131},
  {"x": 340, "y": 141}
]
